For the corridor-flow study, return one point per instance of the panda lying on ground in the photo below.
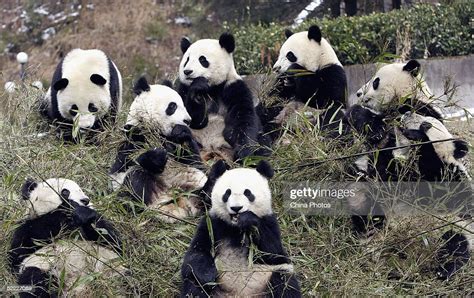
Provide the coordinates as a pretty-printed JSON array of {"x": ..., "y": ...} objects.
[
  {"x": 86, "y": 90},
  {"x": 309, "y": 73},
  {"x": 433, "y": 162},
  {"x": 42, "y": 251},
  {"x": 158, "y": 117},
  {"x": 240, "y": 224},
  {"x": 221, "y": 106}
]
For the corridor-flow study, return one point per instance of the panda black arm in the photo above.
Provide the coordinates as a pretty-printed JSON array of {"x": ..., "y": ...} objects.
[
  {"x": 32, "y": 234},
  {"x": 96, "y": 228},
  {"x": 241, "y": 121},
  {"x": 189, "y": 153},
  {"x": 134, "y": 141},
  {"x": 194, "y": 101},
  {"x": 198, "y": 266},
  {"x": 268, "y": 241}
]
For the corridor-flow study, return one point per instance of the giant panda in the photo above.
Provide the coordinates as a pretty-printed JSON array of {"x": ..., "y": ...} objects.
[
  {"x": 157, "y": 128},
  {"x": 400, "y": 87},
  {"x": 223, "y": 116},
  {"x": 44, "y": 252},
  {"x": 309, "y": 73},
  {"x": 237, "y": 249},
  {"x": 86, "y": 92},
  {"x": 438, "y": 163}
]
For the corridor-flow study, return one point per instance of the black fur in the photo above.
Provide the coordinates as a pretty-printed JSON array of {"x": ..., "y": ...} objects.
[
  {"x": 141, "y": 86},
  {"x": 242, "y": 126},
  {"x": 199, "y": 273},
  {"x": 98, "y": 79},
  {"x": 265, "y": 169},
  {"x": 227, "y": 41},
  {"x": 185, "y": 44},
  {"x": 288, "y": 33},
  {"x": 314, "y": 33},
  {"x": 44, "y": 285},
  {"x": 413, "y": 67},
  {"x": 453, "y": 255},
  {"x": 154, "y": 161}
]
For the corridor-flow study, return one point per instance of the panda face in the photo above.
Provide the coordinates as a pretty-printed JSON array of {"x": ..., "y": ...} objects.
[
  {"x": 159, "y": 107},
  {"x": 208, "y": 58},
  {"x": 307, "y": 49},
  {"x": 83, "y": 93},
  {"x": 390, "y": 83},
  {"x": 240, "y": 190},
  {"x": 44, "y": 197}
]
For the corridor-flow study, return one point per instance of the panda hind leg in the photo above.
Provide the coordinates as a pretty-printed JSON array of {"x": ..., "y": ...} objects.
[
  {"x": 44, "y": 284},
  {"x": 283, "y": 284},
  {"x": 453, "y": 255}
]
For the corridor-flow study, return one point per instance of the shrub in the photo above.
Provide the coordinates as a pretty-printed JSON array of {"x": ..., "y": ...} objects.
[{"x": 442, "y": 30}]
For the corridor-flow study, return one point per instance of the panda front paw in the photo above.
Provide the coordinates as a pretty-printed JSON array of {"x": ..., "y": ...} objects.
[
  {"x": 181, "y": 134},
  {"x": 199, "y": 86},
  {"x": 154, "y": 160},
  {"x": 247, "y": 220},
  {"x": 84, "y": 216}
]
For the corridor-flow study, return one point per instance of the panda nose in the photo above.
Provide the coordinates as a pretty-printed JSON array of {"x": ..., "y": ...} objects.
[
  {"x": 188, "y": 72},
  {"x": 236, "y": 209},
  {"x": 85, "y": 201},
  {"x": 359, "y": 94},
  {"x": 187, "y": 122}
]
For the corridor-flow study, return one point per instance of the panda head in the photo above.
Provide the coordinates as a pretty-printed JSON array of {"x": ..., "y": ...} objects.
[
  {"x": 390, "y": 83},
  {"x": 307, "y": 49},
  {"x": 82, "y": 92},
  {"x": 158, "y": 107},
  {"x": 240, "y": 190},
  {"x": 423, "y": 128},
  {"x": 208, "y": 58},
  {"x": 44, "y": 197}
]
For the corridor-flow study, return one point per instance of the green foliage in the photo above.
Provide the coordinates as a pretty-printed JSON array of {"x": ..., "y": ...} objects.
[{"x": 433, "y": 31}]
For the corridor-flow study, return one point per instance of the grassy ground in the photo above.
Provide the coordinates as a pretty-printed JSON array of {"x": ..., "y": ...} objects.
[{"x": 327, "y": 256}]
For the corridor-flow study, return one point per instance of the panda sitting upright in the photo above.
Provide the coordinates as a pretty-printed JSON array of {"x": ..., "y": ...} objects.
[
  {"x": 158, "y": 118},
  {"x": 237, "y": 250},
  {"x": 42, "y": 252},
  {"x": 309, "y": 73},
  {"x": 86, "y": 91},
  {"x": 221, "y": 106}
]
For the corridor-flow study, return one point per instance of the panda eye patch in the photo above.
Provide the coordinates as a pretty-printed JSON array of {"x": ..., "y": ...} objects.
[
  {"x": 291, "y": 57},
  {"x": 226, "y": 196},
  {"x": 376, "y": 83},
  {"x": 204, "y": 61},
  {"x": 249, "y": 195},
  {"x": 73, "y": 110},
  {"x": 187, "y": 60},
  {"x": 171, "y": 108},
  {"x": 92, "y": 108},
  {"x": 65, "y": 193}
]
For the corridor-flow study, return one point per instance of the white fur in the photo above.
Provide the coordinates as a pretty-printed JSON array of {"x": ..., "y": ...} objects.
[
  {"x": 149, "y": 109},
  {"x": 394, "y": 84},
  {"x": 78, "y": 66},
  {"x": 46, "y": 196},
  {"x": 309, "y": 53},
  {"x": 241, "y": 278},
  {"x": 221, "y": 63},
  {"x": 75, "y": 260},
  {"x": 238, "y": 180}
]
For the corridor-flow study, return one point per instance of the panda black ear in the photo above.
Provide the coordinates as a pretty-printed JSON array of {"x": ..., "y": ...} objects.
[
  {"x": 412, "y": 67},
  {"x": 227, "y": 41},
  {"x": 98, "y": 79},
  {"x": 167, "y": 83},
  {"x": 265, "y": 169},
  {"x": 141, "y": 85},
  {"x": 288, "y": 33},
  {"x": 27, "y": 188},
  {"x": 185, "y": 44},
  {"x": 218, "y": 169},
  {"x": 314, "y": 33},
  {"x": 460, "y": 149},
  {"x": 61, "y": 84}
]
